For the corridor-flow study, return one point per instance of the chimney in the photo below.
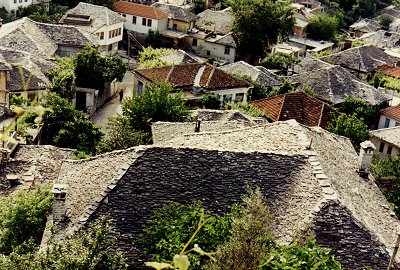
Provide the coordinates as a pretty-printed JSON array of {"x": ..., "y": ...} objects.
[
  {"x": 365, "y": 158},
  {"x": 59, "y": 192}
]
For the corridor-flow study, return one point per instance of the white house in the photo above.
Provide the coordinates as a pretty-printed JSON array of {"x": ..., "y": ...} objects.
[
  {"x": 141, "y": 18},
  {"x": 106, "y": 24},
  {"x": 13, "y": 5},
  {"x": 387, "y": 141},
  {"x": 389, "y": 117}
]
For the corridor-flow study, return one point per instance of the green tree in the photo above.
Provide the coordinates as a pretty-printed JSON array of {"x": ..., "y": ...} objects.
[
  {"x": 300, "y": 256},
  {"x": 64, "y": 126},
  {"x": 385, "y": 21},
  {"x": 151, "y": 58},
  {"x": 63, "y": 77},
  {"x": 23, "y": 218},
  {"x": 279, "y": 61},
  {"x": 89, "y": 249},
  {"x": 323, "y": 27},
  {"x": 92, "y": 70},
  {"x": 259, "y": 23},
  {"x": 361, "y": 109},
  {"x": 211, "y": 102},
  {"x": 351, "y": 127}
]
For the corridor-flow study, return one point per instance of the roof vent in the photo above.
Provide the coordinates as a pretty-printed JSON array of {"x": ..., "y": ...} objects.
[{"x": 365, "y": 158}]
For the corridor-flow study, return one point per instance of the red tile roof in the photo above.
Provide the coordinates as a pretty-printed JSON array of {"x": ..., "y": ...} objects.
[
  {"x": 184, "y": 76},
  {"x": 392, "y": 112},
  {"x": 139, "y": 10},
  {"x": 390, "y": 71},
  {"x": 304, "y": 109}
]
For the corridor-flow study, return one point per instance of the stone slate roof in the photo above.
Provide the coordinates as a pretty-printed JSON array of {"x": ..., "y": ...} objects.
[
  {"x": 26, "y": 71},
  {"x": 220, "y": 21},
  {"x": 258, "y": 75},
  {"x": 41, "y": 39},
  {"x": 364, "y": 59},
  {"x": 177, "y": 57},
  {"x": 184, "y": 76},
  {"x": 392, "y": 112},
  {"x": 176, "y": 12},
  {"x": 335, "y": 83},
  {"x": 140, "y": 10},
  {"x": 382, "y": 39},
  {"x": 365, "y": 25},
  {"x": 308, "y": 176},
  {"x": 100, "y": 16},
  {"x": 390, "y": 135},
  {"x": 304, "y": 109},
  {"x": 43, "y": 161}
]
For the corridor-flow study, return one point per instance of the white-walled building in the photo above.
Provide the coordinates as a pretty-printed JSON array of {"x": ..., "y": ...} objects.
[
  {"x": 389, "y": 117},
  {"x": 142, "y": 18},
  {"x": 106, "y": 24},
  {"x": 14, "y": 5},
  {"x": 386, "y": 141}
]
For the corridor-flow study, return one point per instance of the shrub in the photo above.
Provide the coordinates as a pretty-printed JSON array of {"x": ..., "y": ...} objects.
[
  {"x": 278, "y": 61},
  {"x": 323, "y": 27},
  {"x": 211, "y": 102},
  {"x": 23, "y": 217},
  {"x": 385, "y": 21},
  {"x": 173, "y": 225},
  {"x": 251, "y": 237},
  {"x": 18, "y": 100},
  {"x": 300, "y": 256}
]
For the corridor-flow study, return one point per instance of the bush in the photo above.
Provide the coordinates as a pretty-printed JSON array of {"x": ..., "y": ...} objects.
[
  {"x": 23, "y": 218},
  {"x": 150, "y": 58},
  {"x": 18, "y": 100},
  {"x": 300, "y": 256},
  {"x": 171, "y": 227},
  {"x": 211, "y": 101},
  {"x": 385, "y": 21},
  {"x": 64, "y": 126},
  {"x": 323, "y": 27},
  {"x": 278, "y": 61}
]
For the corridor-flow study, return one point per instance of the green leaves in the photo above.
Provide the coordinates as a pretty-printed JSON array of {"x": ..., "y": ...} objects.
[{"x": 323, "y": 27}]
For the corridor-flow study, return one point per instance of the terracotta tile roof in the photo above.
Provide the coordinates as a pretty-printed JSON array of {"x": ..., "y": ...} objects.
[
  {"x": 392, "y": 112},
  {"x": 304, "y": 109},
  {"x": 140, "y": 10},
  {"x": 184, "y": 76},
  {"x": 390, "y": 71}
]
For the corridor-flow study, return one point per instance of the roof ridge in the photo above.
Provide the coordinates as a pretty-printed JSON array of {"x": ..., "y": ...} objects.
[
  {"x": 210, "y": 76},
  {"x": 280, "y": 111},
  {"x": 169, "y": 73}
]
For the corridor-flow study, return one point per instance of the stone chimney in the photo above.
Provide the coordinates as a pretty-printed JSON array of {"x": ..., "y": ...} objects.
[
  {"x": 59, "y": 192},
  {"x": 365, "y": 158}
]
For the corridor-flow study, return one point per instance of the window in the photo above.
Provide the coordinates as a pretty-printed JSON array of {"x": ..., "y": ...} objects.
[
  {"x": 174, "y": 27},
  {"x": 194, "y": 42},
  {"x": 208, "y": 53},
  {"x": 119, "y": 31},
  {"x": 101, "y": 35},
  {"x": 227, "y": 50},
  {"x": 239, "y": 97},
  {"x": 387, "y": 122},
  {"x": 134, "y": 19},
  {"x": 124, "y": 15},
  {"x": 110, "y": 34},
  {"x": 149, "y": 22},
  {"x": 144, "y": 21},
  {"x": 389, "y": 150},
  {"x": 110, "y": 47},
  {"x": 227, "y": 98},
  {"x": 397, "y": 124},
  {"x": 381, "y": 147},
  {"x": 139, "y": 88},
  {"x": 15, "y": 1}
]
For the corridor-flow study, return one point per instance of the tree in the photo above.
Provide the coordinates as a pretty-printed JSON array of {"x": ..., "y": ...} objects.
[
  {"x": 151, "y": 58},
  {"x": 133, "y": 127},
  {"x": 279, "y": 61},
  {"x": 64, "y": 126},
  {"x": 153, "y": 39},
  {"x": 351, "y": 127},
  {"x": 260, "y": 23},
  {"x": 385, "y": 21},
  {"x": 211, "y": 102},
  {"x": 323, "y": 27},
  {"x": 92, "y": 69},
  {"x": 63, "y": 77},
  {"x": 23, "y": 218},
  {"x": 89, "y": 249},
  {"x": 361, "y": 109}
]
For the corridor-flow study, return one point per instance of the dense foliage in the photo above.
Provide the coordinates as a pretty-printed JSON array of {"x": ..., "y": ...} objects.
[
  {"x": 151, "y": 58},
  {"x": 64, "y": 126},
  {"x": 92, "y": 69},
  {"x": 92, "y": 249},
  {"x": 23, "y": 218},
  {"x": 172, "y": 226},
  {"x": 360, "y": 109},
  {"x": 279, "y": 61},
  {"x": 63, "y": 77},
  {"x": 349, "y": 126},
  {"x": 323, "y": 27},
  {"x": 210, "y": 101},
  {"x": 259, "y": 23},
  {"x": 157, "y": 103},
  {"x": 385, "y": 21}
]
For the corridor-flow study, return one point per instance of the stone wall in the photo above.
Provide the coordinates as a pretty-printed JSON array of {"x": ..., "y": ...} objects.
[{"x": 217, "y": 179}]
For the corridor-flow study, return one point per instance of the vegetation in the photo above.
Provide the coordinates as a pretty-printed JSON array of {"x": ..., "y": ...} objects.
[
  {"x": 243, "y": 238},
  {"x": 63, "y": 77},
  {"x": 323, "y": 27},
  {"x": 279, "y": 61},
  {"x": 157, "y": 103},
  {"x": 23, "y": 219},
  {"x": 385, "y": 21},
  {"x": 260, "y": 23},
  {"x": 151, "y": 58},
  {"x": 92, "y": 70},
  {"x": 153, "y": 39},
  {"x": 245, "y": 108},
  {"x": 351, "y": 127},
  {"x": 211, "y": 101},
  {"x": 360, "y": 109},
  {"x": 64, "y": 126},
  {"x": 92, "y": 249}
]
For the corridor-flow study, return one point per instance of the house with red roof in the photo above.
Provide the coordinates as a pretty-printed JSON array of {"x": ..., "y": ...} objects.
[
  {"x": 389, "y": 117},
  {"x": 305, "y": 109},
  {"x": 142, "y": 18},
  {"x": 196, "y": 80}
]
